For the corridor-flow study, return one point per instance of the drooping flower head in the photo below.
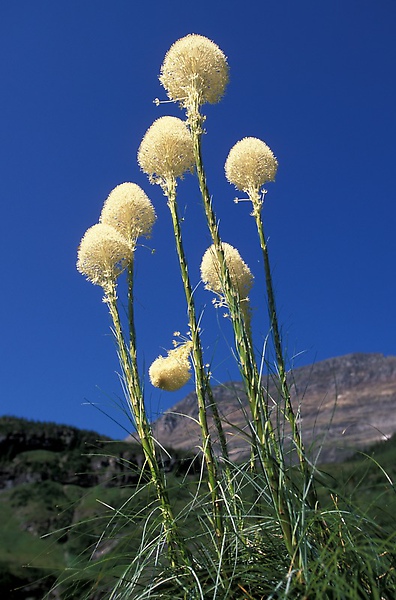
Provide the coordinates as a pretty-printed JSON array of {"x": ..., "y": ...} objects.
[
  {"x": 103, "y": 254},
  {"x": 194, "y": 70},
  {"x": 171, "y": 372},
  {"x": 240, "y": 274},
  {"x": 166, "y": 151},
  {"x": 250, "y": 164},
  {"x": 130, "y": 211}
]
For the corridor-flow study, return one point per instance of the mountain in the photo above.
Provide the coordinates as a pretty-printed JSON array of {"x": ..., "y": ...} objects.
[{"x": 345, "y": 404}]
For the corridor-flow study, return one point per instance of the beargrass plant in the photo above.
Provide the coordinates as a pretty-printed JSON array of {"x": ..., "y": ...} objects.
[{"x": 247, "y": 531}]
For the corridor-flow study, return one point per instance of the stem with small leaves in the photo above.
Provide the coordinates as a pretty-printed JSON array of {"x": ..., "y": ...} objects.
[
  {"x": 264, "y": 433},
  {"x": 202, "y": 385},
  {"x": 127, "y": 356},
  {"x": 288, "y": 410}
]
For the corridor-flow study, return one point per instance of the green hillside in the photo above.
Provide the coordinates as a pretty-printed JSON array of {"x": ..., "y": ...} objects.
[
  {"x": 69, "y": 484},
  {"x": 76, "y": 506}
]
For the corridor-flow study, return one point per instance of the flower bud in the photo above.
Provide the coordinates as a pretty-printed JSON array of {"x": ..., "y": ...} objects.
[
  {"x": 130, "y": 211},
  {"x": 240, "y": 274},
  {"x": 103, "y": 254},
  {"x": 194, "y": 65},
  {"x": 170, "y": 373},
  {"x": 166, "y": 150},
  {"x": 250, "y": 164}
]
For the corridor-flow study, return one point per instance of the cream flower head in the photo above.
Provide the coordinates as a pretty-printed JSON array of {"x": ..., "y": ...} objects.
[
  {"x": 103, "y": 254},
  {"x": 194, "y": 65},
  {"x": 130, "y": 211},
  {"x": 166, "y": 150},
  {"x": 170, "y": 373},
  {"x": 250, "y": 164},
  {"x": 240, "y": 274}
]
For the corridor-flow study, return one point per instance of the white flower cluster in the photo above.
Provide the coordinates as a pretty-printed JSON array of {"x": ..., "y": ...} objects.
[
  {"x": 171, "y": 372},
  {"x": 107, "y": 247}
]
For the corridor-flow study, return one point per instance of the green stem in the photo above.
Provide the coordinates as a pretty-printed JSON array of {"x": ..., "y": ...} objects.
[
  {"x": 201, "y": 378},
  {"x": 284, "y": 386},
  {"x": 128, "y": 363},
  {"x": 258, "y": 403},
  {"x": 244, "y": 348}
]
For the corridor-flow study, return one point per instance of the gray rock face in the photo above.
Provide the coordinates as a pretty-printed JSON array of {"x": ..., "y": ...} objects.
[{"x": 344, "y": 404}]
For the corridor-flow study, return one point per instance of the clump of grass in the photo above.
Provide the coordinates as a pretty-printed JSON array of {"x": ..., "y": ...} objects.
[{"x": 254, "y": 530}]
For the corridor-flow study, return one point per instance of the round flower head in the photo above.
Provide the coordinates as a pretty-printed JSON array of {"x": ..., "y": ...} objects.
[
  {"x": 130, "y": 211},
  {"x": 166, "y": 150},
  {"x": 194, "y": 65},
  {"x": 240, "y": 274},
  {"x": 103, "y": 254},
  {"x": 170, "y": 373},
  {"x": 250, "y": 163}
]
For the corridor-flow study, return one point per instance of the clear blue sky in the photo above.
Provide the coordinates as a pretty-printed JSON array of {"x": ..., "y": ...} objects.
[{"x": 315, "y": 80}]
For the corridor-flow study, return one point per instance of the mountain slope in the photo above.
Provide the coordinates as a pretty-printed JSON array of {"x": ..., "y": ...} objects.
[{"x": 345, "y": 403}]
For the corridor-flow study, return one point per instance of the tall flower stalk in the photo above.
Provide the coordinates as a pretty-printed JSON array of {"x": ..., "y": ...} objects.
[
  {"x": 106, "y": 250},
  {"x": 202, "y": 79},
  {"x": 272, "y": 456},
  {"x": 131, "y": 378},
  {"x": 166, "y": 153},
  {"x": 249, "y": 165}
]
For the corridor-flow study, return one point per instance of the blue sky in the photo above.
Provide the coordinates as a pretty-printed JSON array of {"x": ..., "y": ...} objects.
[{"x": 314, "y": 80}]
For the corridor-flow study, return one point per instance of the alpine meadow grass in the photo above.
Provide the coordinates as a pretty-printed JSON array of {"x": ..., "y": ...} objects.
[{"x": 270, "y": 528}]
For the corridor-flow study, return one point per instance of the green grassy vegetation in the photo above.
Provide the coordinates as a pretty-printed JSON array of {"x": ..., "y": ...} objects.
[
  {"x": 88, "y": 536},
  {"x": 366, "y": 481},
  {"x": 52, "y": 527}
]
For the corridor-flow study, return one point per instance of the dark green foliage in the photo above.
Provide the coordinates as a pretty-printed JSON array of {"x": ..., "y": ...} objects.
[
  {"x": 366, "y": 481},
  {"x": 69, "y": 483},
  {"x": 85, "y": 494}
]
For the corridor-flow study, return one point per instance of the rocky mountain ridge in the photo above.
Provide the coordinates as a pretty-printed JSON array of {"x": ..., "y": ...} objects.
[{"x": 344, "y": 404}]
